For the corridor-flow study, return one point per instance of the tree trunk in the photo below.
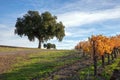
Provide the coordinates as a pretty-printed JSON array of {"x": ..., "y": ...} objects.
[
  {"x": 117, "y": 51},
  {"x": 108, "y": 58},
  {"x": 103, "y": 61},
  {"x": 39, "y": 45},
  {"x": 83, "y": 54},
  {"x": 94, "y": 59},
  {"x": 112, "y": 57},
  {"x": 114, "y": 53}
]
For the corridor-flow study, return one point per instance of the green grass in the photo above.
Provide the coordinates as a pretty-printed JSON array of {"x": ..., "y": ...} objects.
[
  {"x": 110, "y": 68},
  {"x": 88, "y": 72},
  {"x": 42, "y": 63},
  {"x": 37, "y": 65}
]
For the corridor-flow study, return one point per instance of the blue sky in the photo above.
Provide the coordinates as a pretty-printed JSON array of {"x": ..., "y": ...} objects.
[{"x": 82, "y": 18}]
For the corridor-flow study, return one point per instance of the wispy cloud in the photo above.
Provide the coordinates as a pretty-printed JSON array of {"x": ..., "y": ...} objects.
[
  {"x": 76, "y": 18},
  {"x": 6, "y": 31},
  {"x": 80, "y": 32},
  {"x": 65, "y": 44},
  {"x": 7, "y": 37}
]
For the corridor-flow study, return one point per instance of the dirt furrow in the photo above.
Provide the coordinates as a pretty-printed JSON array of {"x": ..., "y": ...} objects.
[{"x": 70, "y": 70}]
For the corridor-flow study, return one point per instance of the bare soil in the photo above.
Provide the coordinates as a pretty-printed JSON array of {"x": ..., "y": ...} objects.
[
  {"x": 68, "y": 71},
  {"x": 9, "y": 58}
]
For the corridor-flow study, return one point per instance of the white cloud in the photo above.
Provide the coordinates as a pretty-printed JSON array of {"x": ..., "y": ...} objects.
[
  {"x": 114, "y": 34},
  {"x": 66, "y": 44},
  {"x": 80, "y": 32},
  {"x": 7, "y": 37},
  {"x": 76, "y": 18},
  {"x": 6, "y": 31},
  {"x": 88, "y": 5},
  {"x": 68, "y": 33},
  {"x": 69, "y": 44},
  {"x": 2, "y": 26}
]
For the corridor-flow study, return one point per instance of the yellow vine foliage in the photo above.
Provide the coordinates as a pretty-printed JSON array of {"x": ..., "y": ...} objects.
[
  {"x": 99, "y": 43},
  {"x": 103, "y": 44},
  {"x": 85, "y": 45}
]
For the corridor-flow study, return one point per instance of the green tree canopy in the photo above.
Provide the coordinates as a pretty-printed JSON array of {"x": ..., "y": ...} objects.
[
  {"x": 41, "y": 26},
  {"x": 49, "y": 46}
]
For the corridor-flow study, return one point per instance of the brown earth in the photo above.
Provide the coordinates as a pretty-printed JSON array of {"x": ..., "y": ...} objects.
[
  {"x": 9, "y": 58},
  {"x": 68, "y": 71}
]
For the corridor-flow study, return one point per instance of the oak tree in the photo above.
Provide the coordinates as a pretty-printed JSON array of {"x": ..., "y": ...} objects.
[{"x": 41, "y": 26}]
